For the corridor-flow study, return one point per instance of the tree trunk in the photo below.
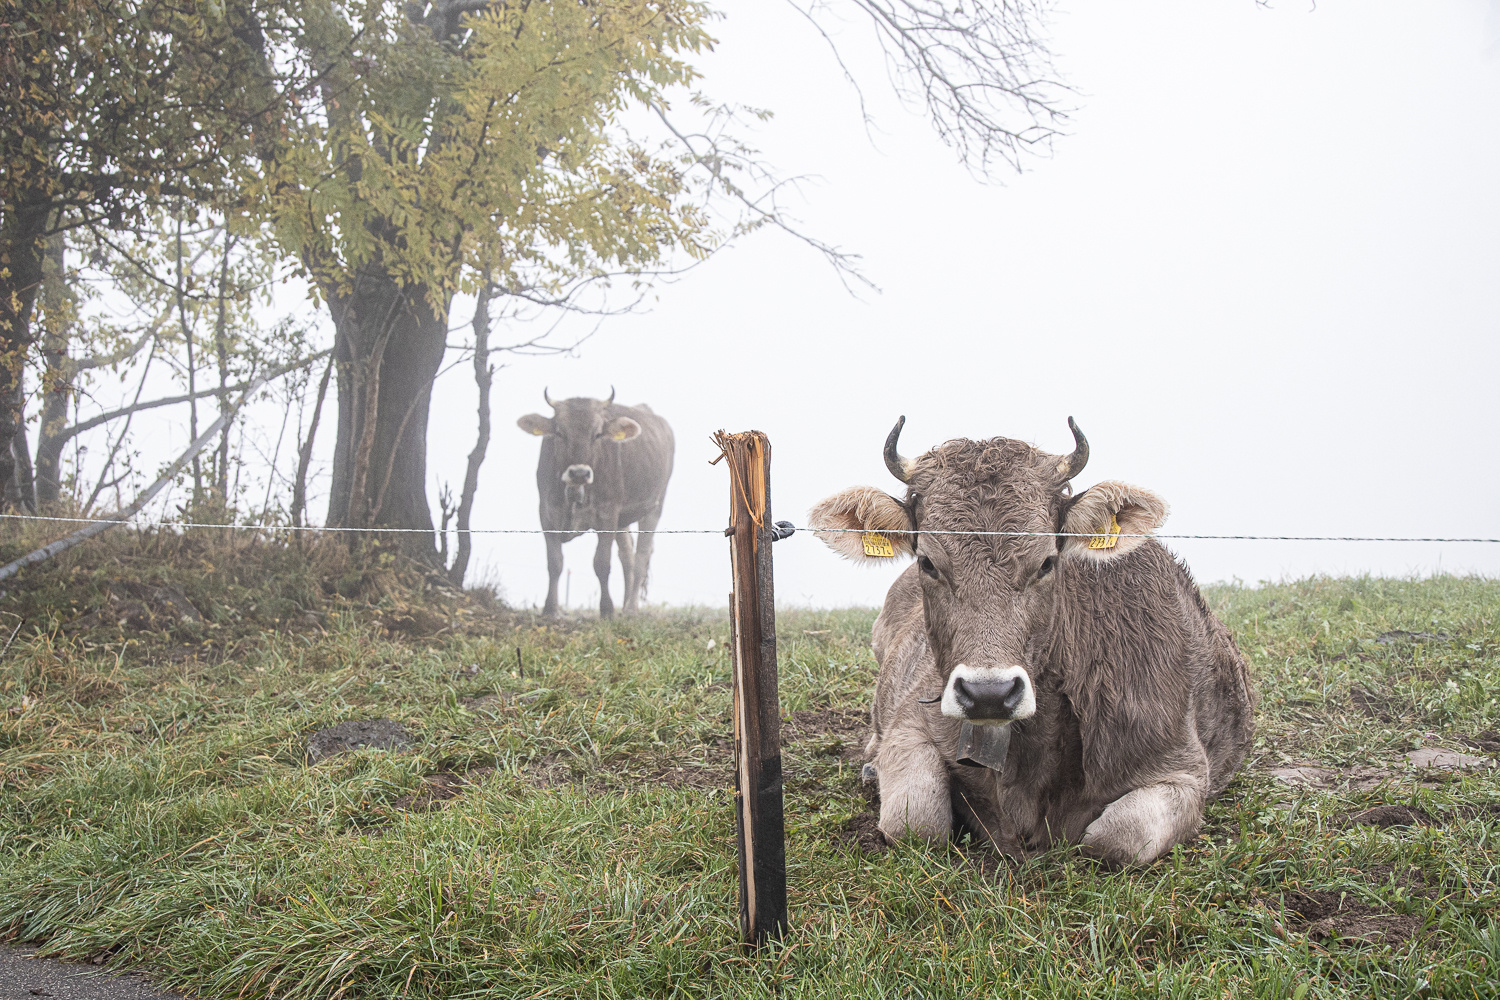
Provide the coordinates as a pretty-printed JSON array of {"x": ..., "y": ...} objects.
[
  {"x": 391, "y": 343},
  {"x": 20, "y": 489},
  {"x": 22, "y": 234},
  {"x": 304, "y": 455},
  {"x": 484, "y": 376}
]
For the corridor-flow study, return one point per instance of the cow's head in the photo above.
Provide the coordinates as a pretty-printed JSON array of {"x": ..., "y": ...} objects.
[
  {"x": 989, "y": 599},
  {"x": 578, "y": 433}
]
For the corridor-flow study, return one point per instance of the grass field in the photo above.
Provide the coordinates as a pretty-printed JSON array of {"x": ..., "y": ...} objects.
[{"x": 567, "y": 831}]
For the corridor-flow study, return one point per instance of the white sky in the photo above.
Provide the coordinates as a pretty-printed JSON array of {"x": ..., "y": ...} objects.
[{"x": 1263, "y": 272}]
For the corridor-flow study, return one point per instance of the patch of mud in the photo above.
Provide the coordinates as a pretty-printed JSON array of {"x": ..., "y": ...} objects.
[
  {"x": 1328, "y": 914},
  {"x": 862, "y": 833},
  {"x": 438, "y": 789},
  {"x": 1486, "y": 742},
  {"x": 1314, "y": 775},
  {"x": 831, "y": 732},
  {"x": 1388, "y": 816},
  {"x": 356, "y": 734},
  {"x": 1433, "y": 765},
  {"x": 1438, "y": 759}
]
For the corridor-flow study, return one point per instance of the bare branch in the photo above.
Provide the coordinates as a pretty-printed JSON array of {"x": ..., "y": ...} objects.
[
  {"x": 103, "y": 418},
  {"x": 981, "y": 71}
]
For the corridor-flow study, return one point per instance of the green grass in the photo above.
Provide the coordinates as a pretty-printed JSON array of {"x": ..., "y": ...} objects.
[{"x": 156, "y": 809}]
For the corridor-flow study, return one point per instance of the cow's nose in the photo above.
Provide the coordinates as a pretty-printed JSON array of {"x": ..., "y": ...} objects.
[
  {"x": 578, "y": 475},
  {"x": 982, "y": 698}
]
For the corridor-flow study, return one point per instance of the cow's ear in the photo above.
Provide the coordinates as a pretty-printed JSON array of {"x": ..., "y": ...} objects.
[
  {"x": 1107, "y": 513},
  {"x": 872, "y": 525},
  {"x": 535, "y": 423},
  {"x": 621, "y": 429}
]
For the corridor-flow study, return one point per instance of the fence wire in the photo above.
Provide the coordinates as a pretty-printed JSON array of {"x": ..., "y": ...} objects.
[{"x": 272, "y": 528}]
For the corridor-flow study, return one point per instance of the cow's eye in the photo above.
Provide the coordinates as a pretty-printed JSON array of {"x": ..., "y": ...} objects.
[
  {"x": 926, "y": 566},
  {"x": 1046, "y": 566}
]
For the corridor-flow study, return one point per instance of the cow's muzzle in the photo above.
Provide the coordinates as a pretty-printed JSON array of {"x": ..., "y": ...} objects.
[
  {"x": 990, "y": 695},
  {"x": 576, "y": 479}
]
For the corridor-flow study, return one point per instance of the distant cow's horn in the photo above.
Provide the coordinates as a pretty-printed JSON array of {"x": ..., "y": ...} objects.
[
  {"x": 548, "y": 398},
  {"x": 893, "y": 459},
  {"x": 611, "y": 395},
  {"x": 1074, "y": 463}
]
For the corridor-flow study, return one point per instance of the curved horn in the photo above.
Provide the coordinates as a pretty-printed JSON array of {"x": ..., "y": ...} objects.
[
  {"x": 611, "y": 396},
  {"x": 1074, "y": 463},
  {"x": 548, "y": 398},
  {"x": 893, "y": 459}
]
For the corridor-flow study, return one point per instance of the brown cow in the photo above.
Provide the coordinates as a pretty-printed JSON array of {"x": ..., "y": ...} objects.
[
  {"x": 603, "y": 467},
  {"x": 1099, "y": 698}
]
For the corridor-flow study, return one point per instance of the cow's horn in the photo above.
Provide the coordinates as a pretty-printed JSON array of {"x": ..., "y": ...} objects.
[
  {"x": 611, "y": 396},
  {"x": 1074, "y": 463},
  {"x": 893, "y": 459},
  {"x": 548, "y": 398}
]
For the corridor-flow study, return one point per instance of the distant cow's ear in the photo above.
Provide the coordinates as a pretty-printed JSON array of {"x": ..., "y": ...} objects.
[
  {"x": 1107, "y": 513},
  {"x": 535, "y": 423},
  {"x": 621, "y": 429},
  {"x": 873, "y": 524}
]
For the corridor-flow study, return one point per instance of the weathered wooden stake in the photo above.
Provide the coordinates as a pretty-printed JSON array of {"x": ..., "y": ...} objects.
[{"x": 757, "y": 709}]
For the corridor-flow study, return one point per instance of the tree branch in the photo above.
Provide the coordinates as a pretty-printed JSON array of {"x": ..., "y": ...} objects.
[{"x": 103, "y": 418}]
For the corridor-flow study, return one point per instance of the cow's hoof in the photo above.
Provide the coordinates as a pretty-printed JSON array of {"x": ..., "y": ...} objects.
[{"x": 868, "y": 774}]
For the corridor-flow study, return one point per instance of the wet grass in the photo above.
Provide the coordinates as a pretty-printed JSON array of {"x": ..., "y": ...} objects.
[{"x": 565, "y": 829}]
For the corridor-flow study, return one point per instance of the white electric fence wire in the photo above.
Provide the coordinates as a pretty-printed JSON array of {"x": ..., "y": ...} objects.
[{"x": 720, "y": 531}]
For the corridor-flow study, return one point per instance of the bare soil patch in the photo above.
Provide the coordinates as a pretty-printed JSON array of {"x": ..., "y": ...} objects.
[
  {"x": 1392, "y": 815},
  {"x": 1326, "y": 914},
  {"x": 438, "y": 789},
  {"x": 862, "y": 833}
]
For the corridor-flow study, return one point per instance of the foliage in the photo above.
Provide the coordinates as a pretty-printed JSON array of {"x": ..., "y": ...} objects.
[
  {"x": 113, "y": 106},
  {"x": 483, "y": 136},
  {"x": 158, "y": 810}
]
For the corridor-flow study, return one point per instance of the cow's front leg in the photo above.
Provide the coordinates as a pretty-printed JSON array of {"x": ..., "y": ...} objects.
[
  {"x": 554, "y": 570},
  {"x": 914, "y": 795},
  {"x": 1142, "y": 825},
  {"x": 625, "y": 547},
  {"x": 601, "y": 570}
]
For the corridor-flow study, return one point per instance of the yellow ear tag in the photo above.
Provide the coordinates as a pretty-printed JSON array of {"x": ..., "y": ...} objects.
[
  {"x": 619, "y": 435},
  {"x": 539, "y": 432},
  {"x": 1109, "y": 539},
  {"x": 877, "y": 545}
]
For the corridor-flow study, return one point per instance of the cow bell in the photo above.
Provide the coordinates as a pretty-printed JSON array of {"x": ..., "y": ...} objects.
[{"x": 983, "y": 746}]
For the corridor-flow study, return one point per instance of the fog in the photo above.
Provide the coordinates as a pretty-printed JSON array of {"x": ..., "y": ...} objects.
[{"x": 1262, "y": 271}]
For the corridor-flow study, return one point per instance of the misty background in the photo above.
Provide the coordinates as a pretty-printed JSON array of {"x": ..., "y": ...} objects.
[{"x": 1262, "y": 271}]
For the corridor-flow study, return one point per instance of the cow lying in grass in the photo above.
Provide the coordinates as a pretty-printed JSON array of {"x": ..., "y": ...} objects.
[{"x": 1100, "y": 698}]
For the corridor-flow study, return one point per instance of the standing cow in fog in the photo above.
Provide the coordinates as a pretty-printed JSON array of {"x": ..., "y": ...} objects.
[
  {"x": 1065, "y": 657},
  {"x": 603, "y": 468}
]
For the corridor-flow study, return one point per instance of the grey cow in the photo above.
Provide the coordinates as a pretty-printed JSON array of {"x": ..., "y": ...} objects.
[
  {"x": 1083, "y": 679},
  {"x": 603, "y": 467}
]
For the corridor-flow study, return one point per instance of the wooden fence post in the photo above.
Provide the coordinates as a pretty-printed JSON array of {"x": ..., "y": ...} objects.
[{"x": 759, "y": 823}]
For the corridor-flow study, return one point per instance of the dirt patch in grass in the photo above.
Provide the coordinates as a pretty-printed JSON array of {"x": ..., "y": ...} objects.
[
  {"x": 1311, "y": 774},
  {"x": 1388, "y": 816},
  {"x": 1328, "y": 914},
  {"x": 862, "y": 833},
  {"x": 438, "y": 789},
  {"x": 1486, "y": 742},
  {"x": 832, "y": 732},
  {"x": 1325, "y": 914}
]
